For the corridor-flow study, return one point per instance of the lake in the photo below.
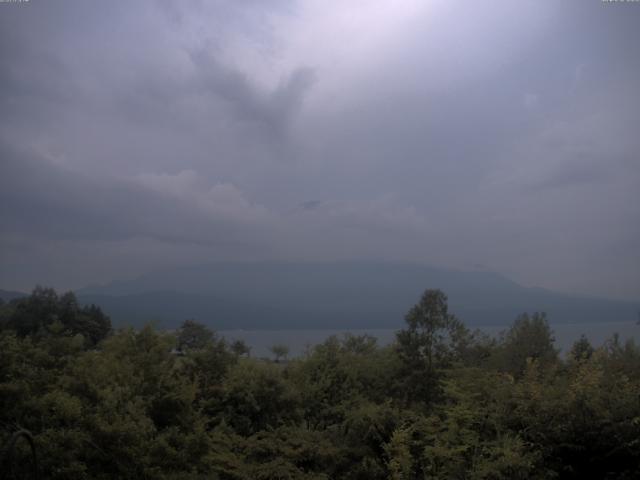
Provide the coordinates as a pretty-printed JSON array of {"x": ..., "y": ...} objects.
[{"x": 299, "y": 341}]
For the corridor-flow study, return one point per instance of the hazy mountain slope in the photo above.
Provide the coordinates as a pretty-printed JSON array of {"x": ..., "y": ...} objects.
[
  {"x": 333, "y": 295},
  {"x": 8, "y": 295}
]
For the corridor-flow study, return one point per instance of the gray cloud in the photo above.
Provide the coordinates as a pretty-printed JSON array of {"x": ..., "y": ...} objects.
[
  {"x": 62, "y": 204},
  {"x": 442, "y": 132},
  {"x": 271, "y": 111}
]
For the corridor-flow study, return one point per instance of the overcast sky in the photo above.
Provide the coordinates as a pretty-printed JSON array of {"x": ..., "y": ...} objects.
[{"x": 500, "y": 135}]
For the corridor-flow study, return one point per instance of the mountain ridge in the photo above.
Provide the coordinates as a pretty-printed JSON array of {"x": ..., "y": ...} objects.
[
  {"x": 272, "y": 295},
  {"x": 8, "y": 295}
]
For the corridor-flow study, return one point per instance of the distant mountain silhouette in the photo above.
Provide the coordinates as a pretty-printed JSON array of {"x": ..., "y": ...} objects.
[
  {"x": 273, "y": 295},
  {"x": 8, "y": 295}
]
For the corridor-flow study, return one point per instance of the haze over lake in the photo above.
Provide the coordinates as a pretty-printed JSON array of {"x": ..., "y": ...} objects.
[{"x": 300, "y": 342}]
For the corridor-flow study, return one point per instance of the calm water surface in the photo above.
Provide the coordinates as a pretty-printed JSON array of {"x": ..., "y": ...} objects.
[{"x": 299, "y": 341}]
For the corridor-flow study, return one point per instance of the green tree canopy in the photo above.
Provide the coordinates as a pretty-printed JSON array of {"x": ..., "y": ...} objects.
[
  {"x": 530, "y": 337},
  {"x": 430, "y": 342},
  {"x": 44, "y": 313},
  {"x": 280, "y": 352},
  {"x": 193, "y": 335}
]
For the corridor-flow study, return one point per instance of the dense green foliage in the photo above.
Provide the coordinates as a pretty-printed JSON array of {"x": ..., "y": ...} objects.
[{"x": 441, "y": 402}]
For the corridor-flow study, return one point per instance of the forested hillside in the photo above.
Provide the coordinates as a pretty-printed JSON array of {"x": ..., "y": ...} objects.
[{"x": 441, "y": 402}]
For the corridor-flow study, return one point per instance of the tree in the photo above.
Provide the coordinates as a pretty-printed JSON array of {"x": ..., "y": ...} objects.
[
  {"x": 255, "y": 397},
  {"x": 44, "y": 313},
  {"x": 280, "y": 352},
  {"x": 92, "y": 323},
  {"x": 581, "y": 349},
  {"x": 240, "y": 348},
  {"x": 193, "y": 335},
  {"x": 528, "y": 337},
  {"x": 34, "y": 313},
  {"x": 429, "y": 343}
]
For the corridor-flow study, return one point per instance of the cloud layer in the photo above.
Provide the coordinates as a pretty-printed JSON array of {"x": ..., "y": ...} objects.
[{"x": 138, "y": 136}]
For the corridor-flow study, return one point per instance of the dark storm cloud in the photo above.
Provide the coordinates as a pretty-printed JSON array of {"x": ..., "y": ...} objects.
[{"x": 453, "y": 133}]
